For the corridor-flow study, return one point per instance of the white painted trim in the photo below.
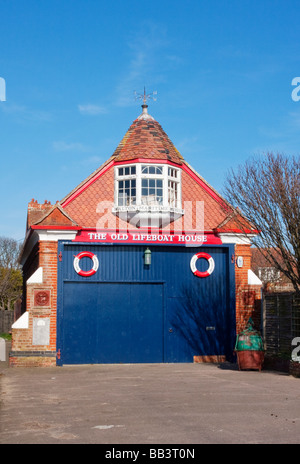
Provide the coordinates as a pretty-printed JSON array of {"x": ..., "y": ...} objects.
[
  {"x": 44, "y": 235},
  {"x": 165, "y": 185},
  {"x": 238, "y": 239},
  {"x": 253, "y": 279},
  {"x": 55, "y": 235},
  {"x": 29, "y": 243},
  {"x": 22, "y": 322},
  {"x": 36, "y": 277},
  {"x": 179, "y": 199}
]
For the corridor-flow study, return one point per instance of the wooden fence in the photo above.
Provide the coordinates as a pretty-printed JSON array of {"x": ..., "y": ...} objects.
[
  {"x": 6, "y": 321},
  {"x": 281, "y": 323}
]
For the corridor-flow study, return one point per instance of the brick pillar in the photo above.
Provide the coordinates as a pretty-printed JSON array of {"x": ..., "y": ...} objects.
[
  {"x": 248, "y": 297},
  {"x": 34, "y": 334},
  {"x": 48, "y": 261}
]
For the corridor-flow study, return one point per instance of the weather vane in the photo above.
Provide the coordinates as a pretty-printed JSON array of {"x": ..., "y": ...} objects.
[{"x": 145, "y": 96}]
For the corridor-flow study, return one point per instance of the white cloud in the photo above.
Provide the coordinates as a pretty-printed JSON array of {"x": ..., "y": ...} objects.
[{"x": 91, "y": 109}]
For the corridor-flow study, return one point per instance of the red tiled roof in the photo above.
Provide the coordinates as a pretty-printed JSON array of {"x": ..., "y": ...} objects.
[
  {"x": 92, "y": 208},
  {"x": 37, "y": 211},
  {"x": 234, "y": 221},
  {"x": 48, "y": 215},
  {"x": 146, "y": 139},
  {"x": 90, "y": 204}
]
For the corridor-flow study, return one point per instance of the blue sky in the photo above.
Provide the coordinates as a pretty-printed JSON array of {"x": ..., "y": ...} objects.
[{"x": 222, "y": 71}]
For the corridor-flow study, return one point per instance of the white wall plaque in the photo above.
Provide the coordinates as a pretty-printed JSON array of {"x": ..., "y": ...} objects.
[{"x": 41, "y": 331}]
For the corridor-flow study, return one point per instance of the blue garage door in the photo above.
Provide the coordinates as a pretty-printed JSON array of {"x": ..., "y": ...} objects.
[
  {"x": 126, "y": 312},
  {"x": 113, "y": 323}
]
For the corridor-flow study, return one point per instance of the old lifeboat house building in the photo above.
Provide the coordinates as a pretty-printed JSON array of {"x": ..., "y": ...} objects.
[{"x": 143, "y": 262}]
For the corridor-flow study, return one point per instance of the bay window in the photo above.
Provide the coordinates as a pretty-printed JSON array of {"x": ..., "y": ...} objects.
[{"x": 153, "y": 190}]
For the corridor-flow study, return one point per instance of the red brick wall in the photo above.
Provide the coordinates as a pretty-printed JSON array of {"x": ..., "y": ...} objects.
[
  {"x": 248, "y": 297},
  {"x": 24, "y": 353},
  {"x": 48, "y": 261}
]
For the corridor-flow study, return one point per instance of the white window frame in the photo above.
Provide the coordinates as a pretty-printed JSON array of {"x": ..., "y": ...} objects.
[
  {"x": 170, "y": 173},
  {"x": 123, "y": 178}
]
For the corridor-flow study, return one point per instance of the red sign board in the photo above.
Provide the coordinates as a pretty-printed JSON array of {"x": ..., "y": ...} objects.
[{"x": 143, "y": 237}]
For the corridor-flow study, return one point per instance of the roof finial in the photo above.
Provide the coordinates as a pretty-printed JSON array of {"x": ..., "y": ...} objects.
[{"x": 145, "y": 97}]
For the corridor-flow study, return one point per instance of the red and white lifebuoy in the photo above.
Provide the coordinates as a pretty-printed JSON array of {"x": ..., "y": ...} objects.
[
  {"x": 210, "y": 267},
  {"x": 86, "y": 254}
]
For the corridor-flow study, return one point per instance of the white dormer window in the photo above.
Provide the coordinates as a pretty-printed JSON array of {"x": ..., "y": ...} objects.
[
  {"x": 152, "y": 185},
  {"x": 173, "y": 186},
  {"x": 126, "y": 186},
  {"x": 148, "y": 191}
]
